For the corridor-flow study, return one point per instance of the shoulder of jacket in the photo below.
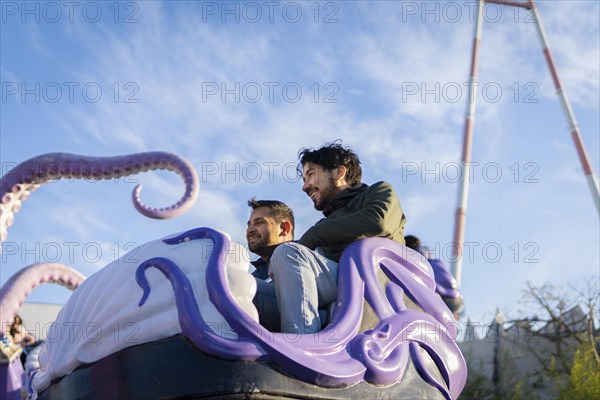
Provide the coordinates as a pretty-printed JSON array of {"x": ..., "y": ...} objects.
[{"x": 381, "y": 185}]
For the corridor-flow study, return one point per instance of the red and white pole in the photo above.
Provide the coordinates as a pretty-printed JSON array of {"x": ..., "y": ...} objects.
[
  {"x": 568, "y": 111},
  {"x": 510, "y": 3},
  {"x": 463, "y": 191}
]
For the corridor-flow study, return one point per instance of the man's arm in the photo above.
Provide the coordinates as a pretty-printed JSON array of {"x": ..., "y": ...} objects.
[{"x": 380, "y": 215}]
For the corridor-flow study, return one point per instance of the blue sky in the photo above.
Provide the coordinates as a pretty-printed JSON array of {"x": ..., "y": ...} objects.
[{"x": 237, "y": 88}]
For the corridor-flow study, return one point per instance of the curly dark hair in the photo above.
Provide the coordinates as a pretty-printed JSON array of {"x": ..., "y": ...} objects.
[
  {"x": 330, "y": 156},
  {"x": 279, "y": 209},
  {"x": 412, "y": 241}
]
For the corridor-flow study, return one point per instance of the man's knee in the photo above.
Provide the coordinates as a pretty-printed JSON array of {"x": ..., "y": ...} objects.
[
  {"x": 289, "y": 252},
  {"x": 291, "y": 256}
]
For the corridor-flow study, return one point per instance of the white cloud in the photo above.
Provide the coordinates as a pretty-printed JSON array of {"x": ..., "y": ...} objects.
[{"x": 573, "y": 31}]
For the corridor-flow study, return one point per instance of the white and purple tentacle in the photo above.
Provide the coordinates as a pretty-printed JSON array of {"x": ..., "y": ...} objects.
[
  {"x": 26, "y": 177},
  {"x": 14, "y": 292}
]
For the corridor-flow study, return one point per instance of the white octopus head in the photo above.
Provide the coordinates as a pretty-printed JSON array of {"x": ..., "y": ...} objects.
[{"x": 103, "y": 316}]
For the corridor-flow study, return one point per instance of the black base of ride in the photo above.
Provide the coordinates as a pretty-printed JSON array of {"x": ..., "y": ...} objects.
[{"x": 174, "y": 369}]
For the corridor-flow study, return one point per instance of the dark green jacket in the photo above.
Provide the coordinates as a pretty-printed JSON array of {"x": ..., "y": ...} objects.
[{"x": 357, "y": 214}]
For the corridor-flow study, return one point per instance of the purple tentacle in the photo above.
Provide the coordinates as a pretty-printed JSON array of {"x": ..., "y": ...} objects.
[
  {"x": 193, "y": 325},
  {"x": 17, "y": 288},
  {"x": 26, "y": 177}
]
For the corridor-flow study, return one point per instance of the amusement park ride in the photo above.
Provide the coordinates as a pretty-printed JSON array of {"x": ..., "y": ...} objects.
[
  {"x": 184, "y": 317},
  {"x": 461, "y": 208}
]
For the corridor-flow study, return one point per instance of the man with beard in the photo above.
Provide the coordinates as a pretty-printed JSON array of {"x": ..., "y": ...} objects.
[
  {"x": 271, "y": 223},
  {"x": 304, "y": 273}
]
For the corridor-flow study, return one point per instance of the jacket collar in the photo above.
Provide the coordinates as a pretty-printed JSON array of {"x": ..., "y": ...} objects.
[{"x": 343, "y": 198}]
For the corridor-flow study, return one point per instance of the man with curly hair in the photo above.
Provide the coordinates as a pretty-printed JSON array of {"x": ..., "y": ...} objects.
[{"x": 304, "y": 273}]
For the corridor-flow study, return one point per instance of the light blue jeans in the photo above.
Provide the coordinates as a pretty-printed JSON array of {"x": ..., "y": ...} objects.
[{"x": 303, "y": 282}]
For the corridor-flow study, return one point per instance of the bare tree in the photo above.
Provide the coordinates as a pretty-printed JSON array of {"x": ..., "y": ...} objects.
[
  {"x": 550, "y": 353},
  {"x": 563, "y": 321}
]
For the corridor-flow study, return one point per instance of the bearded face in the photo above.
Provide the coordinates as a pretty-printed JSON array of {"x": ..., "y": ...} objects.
[
  {"x": 319, "y": 185},
  {"x": 263, "y": 231}
]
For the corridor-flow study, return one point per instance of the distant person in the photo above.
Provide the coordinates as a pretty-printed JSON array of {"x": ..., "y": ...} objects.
[
  {"x": 446, "y": 285},
  {"x": 414, "y": 243},
  {"x": 21, "y": 337},
  {"x": 19, "y": 334},
  {"x": 305, "y": 273}
]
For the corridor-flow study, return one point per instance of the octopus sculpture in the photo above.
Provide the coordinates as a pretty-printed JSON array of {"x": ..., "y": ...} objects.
[
  {"x": 18, "y": 184},
  {"x": 12, "y": 295},
  {"x": 174, "y": 318}
]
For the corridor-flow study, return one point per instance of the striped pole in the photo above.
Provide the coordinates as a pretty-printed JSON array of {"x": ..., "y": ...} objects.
[
  {"x": 510, "y": 3},
  {"x": 463, "y": 191},
  {"x": 568, "y": 111}
]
